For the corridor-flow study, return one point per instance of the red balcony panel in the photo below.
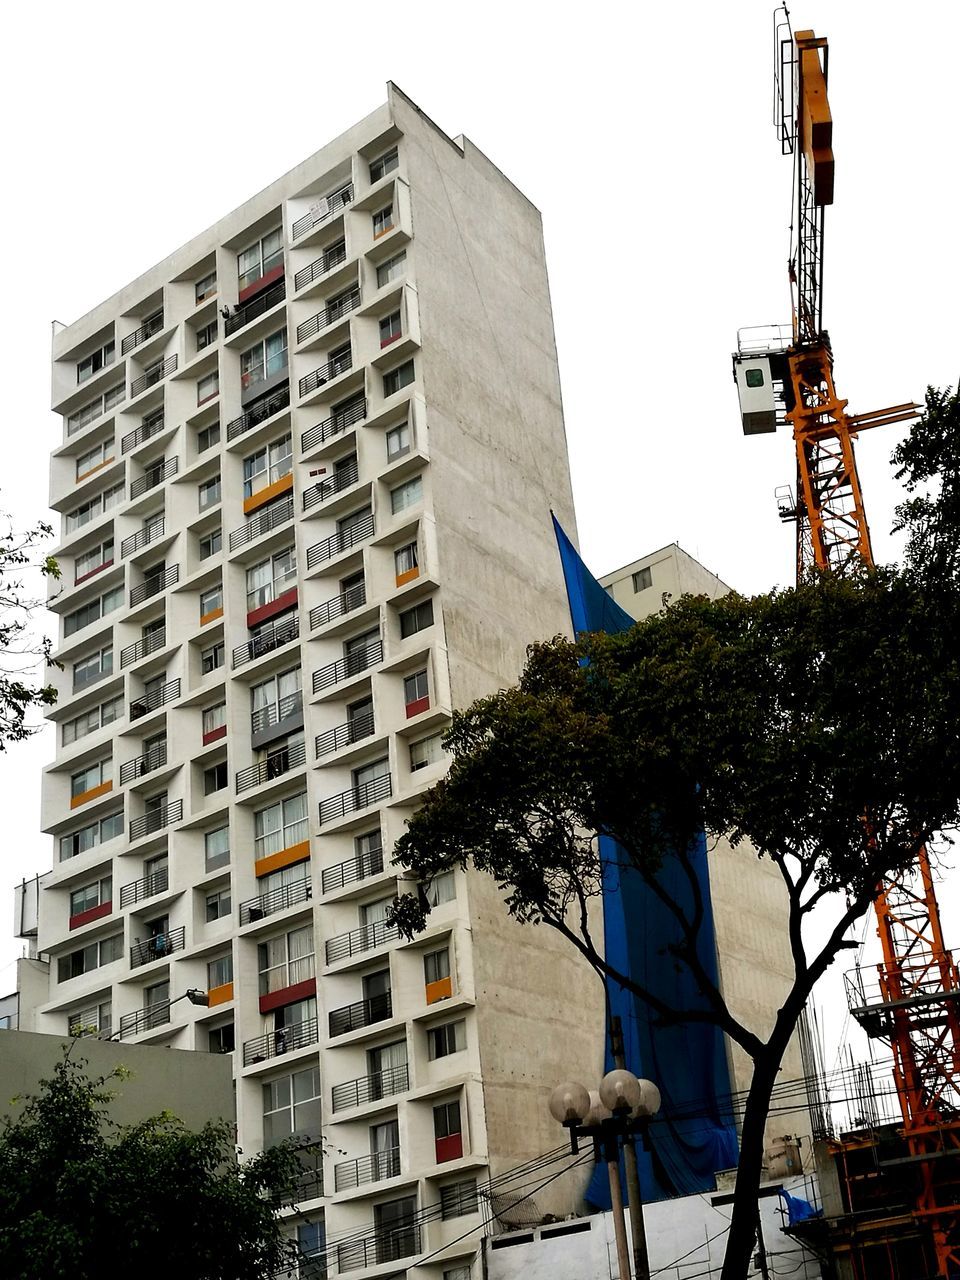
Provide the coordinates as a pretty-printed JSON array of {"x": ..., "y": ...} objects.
[
  {"x": 214, "y": 735},
  {"x": 92, "y": 913},
  {"x": 417, "y": 705},
  {"x": 450, "y": 1148},
  {"x": 92, "y": 572},
  {"x": 251, "y": 291},
  {"x": 288, "y": 995},
  {"x": 282, "y": 603},
  {"x": 394, "y": 337}
]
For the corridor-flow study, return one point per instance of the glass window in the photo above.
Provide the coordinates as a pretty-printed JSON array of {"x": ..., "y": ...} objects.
[
  {"x": 207, "y": 387},
  {"x": 212, "y": 657},
  {"x": 214, "y": 718},
  {"x": 402, "y": 376},
  {"x": 90, "y": 836},
  {"x": 392, "y": 269},
  {"x": 426, "y": 752},
  {"x": 446, "y": 1120},
  {"x": 95, "y": 1020},
  {"x": 92, "y": 720},
  {"x": 220, "y": 971},
  {"x": 642, "y": 579},
  {"x": 87, "y": 670},
  {"x": 406, "y": 558},
  {"x": 96, "y": 894},
  {"x": 406, "y": 495},
  {"x": 383, "y": 221},
  {"x": 416, "y": 619},
  {"x": 260, "y": 258},
  {"x": 206, "y": 287},
  {"x": 262, "y": 361},
  {"x": 458, "y": 1198},
  {"x": 93, "y": 775},
  {"x": 95, "y": 457},
  {"x": 291, "y": 1106},
  {"x": 280, "y": 826},
  {"x": 442, "y": 888},
  {"x": 209, "y": 492},
  {"x": 215, "y": 778},
  {"x": 384, "y": 164},
  {"x": 207, "y": 335},
  {"x": 415, "y": 687},
  {"x": 398, "y": 441},
  {"x": 94, "y": 362},
  {"x": 269, "y": 579},
  {"x": 222, "y": 1039},
  {"x": 286, "y": 960},
  {"x": 211, "y": 600},
  {"x": 276, "y": 699},
  {"x": 99, "y": 608},
  {"x": 389, "y": 328},
  {"x": 208, "y": 437},
  {"x": 217, "y": 906},
  {"x": 267, "y": 466},
  {"x": 436, "y": 965},
  {"x": 216, "y": 848},
  {"x": 211, "y": 544},
  {"x": 92, "y": 956},
  {"x": 97, "y": 557}
]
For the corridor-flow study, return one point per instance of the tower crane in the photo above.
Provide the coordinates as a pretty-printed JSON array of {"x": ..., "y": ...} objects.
[{"x": 784, "y": 377}]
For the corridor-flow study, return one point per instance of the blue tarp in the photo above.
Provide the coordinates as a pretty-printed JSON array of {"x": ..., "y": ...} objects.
[
  {"x": 688, "y": 1062},
  {"x": 798, "y": 1210}
]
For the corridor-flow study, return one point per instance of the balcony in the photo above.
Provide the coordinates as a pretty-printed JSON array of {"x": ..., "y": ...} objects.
[
  {"x": 142, "y": 538},
  {"x": 286, "y": 709},
  {"x": 351, "y": 665},
  {"x": 153, "y": 324},
  {"x": 259, "y": 412},
  {"x": 357, "y": 941},
  {"x": 153, "y": 585},
  {"x": 337, "y": 423},
  {"x": 323, "y": 211},
  {"x": 155, "y": 758},
  {"x": 338, "y": 606},
  {"x": 275, "y": 766},
  {"x": 258, "y": 306},
  {"x": 274, "y": 636},
  {"x": 328, "y": 315},
  {"x": 373, "y": 1168},
  {"x": 378, "y": 1247},
  {"x": 360, "y": 867},
  {"x": 382, "y": 1084},
  {"x": 146, "y": 431},
  {"x": 333, "y": 257},
  {"x": 362, "y": 1014},
  {"x": 156, "y": 820},
  {"x": 155, "y": 1015},
  {"x": 357, "y": 798},
  {"x": 268, "y": 904},
  {"x": 154, "y": 476},
  {"x": 341, "y": 479},
  {"x": 155, "y": 699},
  {"x": 283, "y": 1040},
  {"x": 325, "y": 373},
  {"x": 164, "y": 944},
  {"x": 148, "y": 887},
  {"x": 148, "y": 644},
  {"x": 271, "y": 517},
  {"x": 355, "y": 730},
  {"x": 342, "y": 540},
  {"x": 156, "y": 373}
]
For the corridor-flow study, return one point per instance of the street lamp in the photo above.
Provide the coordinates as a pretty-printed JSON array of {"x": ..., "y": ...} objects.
[
  {"x": 193, "y": 994},
  {"x": 611, "y": 1116}
]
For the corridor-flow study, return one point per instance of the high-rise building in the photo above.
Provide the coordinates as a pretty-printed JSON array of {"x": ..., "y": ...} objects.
[{"x": 304, "y": 479}]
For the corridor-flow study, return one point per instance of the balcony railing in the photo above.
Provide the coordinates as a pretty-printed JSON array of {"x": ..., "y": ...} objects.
[
  {"x": 382, "y": 1084},
  {"x": 283, "y": 1040},
  {"x": 143, "y": 705},
  {"x": 146, "y": 431},
  {"x": 155, "y": 758},
  {"x": 148, "y": 887},
  {"x": 378, "y": 1247},
  {"x": 156, "y": 373},
  {"x": 341, "y": 479},
  {"x": 355, "y": 730},
  {"x": 327, "y": 209},
  {"x": 328, "y": 315},
  {"x": 271, "y": 517},
  {"x": 153, "y": 324},
  {"x": 148, "y": 644},
  {"x": 153, "y": 585},
  {"x": 277, "y": 712},
  {"x": 357, "y": 798},
  {"x": 142, "y": 538},
  {"x": 360, "y": 867},
  {"x": 268, "y": 904},
  {"x": 257, "y": 306},
  {"x": 325, "y": 373},
  {"x": 372, "y": 1168},
  {"x": 362, "y": 1014},
  {"x": 155, "y": 1015},
  {"x": 338, "y": 606},
  {"x": 349, "y": 536},
  {"x": 357, "y": 941},
  {"x": 275, "y": 766},
  {"x": 333, "y": 256},
  {"x": 156, "y": 819},
  {"x": 351, "y": 665},
  {"x": 164, "y": 944},
  {"x": 274, "y": 636},
  {"x": 259, "y": 412},
  {"x": 338, "y": 422},
  {"x": 154, "y": 476}
]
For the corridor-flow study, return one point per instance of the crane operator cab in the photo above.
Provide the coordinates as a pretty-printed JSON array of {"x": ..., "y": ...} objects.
[{"x": 758, "y": 401}]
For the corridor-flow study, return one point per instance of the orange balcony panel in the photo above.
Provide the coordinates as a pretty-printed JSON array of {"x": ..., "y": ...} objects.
[
  {"x": 263, "y": 496},
  {"x": 221, "y": 994},
  {"x": 209, "y": 617},
  {"x": 408, "y": 575},
  {"x": 442, "y": 989},
  {"x": 85, "y": 796},
  {"x": 285, "y": 858}
]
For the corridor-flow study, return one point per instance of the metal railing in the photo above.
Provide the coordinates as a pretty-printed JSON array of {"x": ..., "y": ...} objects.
[
  {"x": 259, "y": 412},
  {"x": 345, "y": 538},
  {"x": 242, "y": 315},
  {"x": 381, "y": 1084},
  {"x": 156, "y": 948},
  {"x": 351, "y": 665},
  {"x": 154, "y": 758},
  {"x": 325, "y": 373},
  {"x": 372, "y": 1168},
  {"x": 268, "y": 904},
  {"x": 275, "y": 766},
  {"x": 168, "y": 692},
  {"x": 156, "y": 1015},
  {"x": 360, "y": 867},
  {"x": 277, "y": 712},
  {"x": 271, "y": 517},
  {"x": 329, "y": 259},
  {"x": 355, "y": 730},
  {"x": 283, "y": 1040},
  {"x": 357, "y": 798},
  {"x": 274, "y": 636},
  {"x": 338, "y": 605},
  {"x": 341, "y": 479},
  {"x": 156, "y": 819},
  {"x": 148, "y": 644},
  {"x": 154, "y": 476},
  {"x": 357, "y": 941},
  {"x": 148, "y": 887},
  {"x": 351, "y": 1017},
  {"x": 334, "y": 203},
  {"x": 347, "y": 416},
  {"x": 153, "y": 324},
  {"x": 153, "y": 585},
  {"x": 142, "y": 538},
  {"x": 147, "y": 429},
  {"x": 328, "y": 315},
  {"x": 378, "y": 1247},
  {"x": 156, "y": 373}
]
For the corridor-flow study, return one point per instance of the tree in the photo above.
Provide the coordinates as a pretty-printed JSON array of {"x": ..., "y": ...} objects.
[
  {"x": 83, "y": 1198},
  {"x": 20, "y": 652},
  {"x": 817, "y": 723}
]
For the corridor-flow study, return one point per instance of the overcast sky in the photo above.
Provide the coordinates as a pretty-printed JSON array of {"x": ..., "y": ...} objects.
[{"x": 643, "y": 134}]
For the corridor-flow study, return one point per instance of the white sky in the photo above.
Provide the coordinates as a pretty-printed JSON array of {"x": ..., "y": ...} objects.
[{"x": 643, "y": 134}]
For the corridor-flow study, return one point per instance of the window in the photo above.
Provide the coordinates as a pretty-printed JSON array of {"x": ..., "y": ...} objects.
[
  {"x": 457, "y": 1273},
  {"x": 216, "y": 848},
  {"x": 396, "y": 1230},
  {"x": 217, "y": 906},
  {"x": 389, "y": 329},
  {"x": 103, "y": 502},
  {"x": 94, "y": 667},
  {"x": 406, "y": 559},
  {"x": 383, "y": 221},
  {"x": 280, "y": 826},
  {"x": 269, "y": 579},
  {"x": 642, "y": 579},
  {"x": 286, "y": 960},
  {"x": 291, "y": 1106},
  {"x": 211, "y": 600},
  {"x": 98, "y": 557},
  {"x": 416, "y": 619},
  {"x": 262, "y": 361},
  {"x": 402, "y": 376},
  {"x": 261, "y": 257},
  {"x": 415, "y": 690},
  {"x": 206, "y": 287},
  {"x": 96, "y": 894},
  {"x": 209, "y": 492},
  {"x": 384, "y": 164},
  {"x": 214, "y": 718},
  {"x": 208, "y": 437},
  {"x": 92, "y": 720},
  {"x": 436, "y": 965},
  {"x": 426, "y": 752},
  {"x": 95, "y": 409},
  {"x": 448, "y": 1131},
  {"x": 220, "y": 971},
  {"x": 267, "y": 466},
  {"x": 442, "y": 888},
  {"x": 222, "y": 1039},
  {"x": 93, "y": 458},
  {"x": 368, "y": 854},
  {"x": 391, "y": 269},
  {"x": 215, "y": 778},
  {"x": 94, "y": 362},
  {"x": 211, "y": 543},
  {"x": 207, "y": 336},
  {"x": 95, "y": 1020},
  {"x": 207, "y": 387},
  {"x": 406, "y": 495},
  {"x": 93, "y": 956},
  {"x": 212, "y": 657},
  {"x": 458, "y": 1198},
  {"x": 275, "y": 700},
  {"x": 91, "y": 612},
  {"x": 88, "y": 837},
  {"x": 398, "y": 441},
  {"x": 94, "y": 775}
]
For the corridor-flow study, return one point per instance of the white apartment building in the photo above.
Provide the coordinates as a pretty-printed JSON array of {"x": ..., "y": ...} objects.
[{"x": 304, "y": 479}]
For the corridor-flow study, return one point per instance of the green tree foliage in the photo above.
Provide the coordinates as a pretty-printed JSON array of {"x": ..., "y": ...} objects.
[
  {"x": 83, "y": 1199},
  {"x": 928, "y": 462},
  {"x": 20, "y": 651}
]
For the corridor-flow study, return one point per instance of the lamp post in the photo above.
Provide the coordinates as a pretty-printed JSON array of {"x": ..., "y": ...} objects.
[
  {"x": 193, "y": 994},
  {"x": 610, "y": 1116}
]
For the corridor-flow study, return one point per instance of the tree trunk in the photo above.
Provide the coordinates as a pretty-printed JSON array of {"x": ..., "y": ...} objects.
[{"x": 743, "y": 1222}]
